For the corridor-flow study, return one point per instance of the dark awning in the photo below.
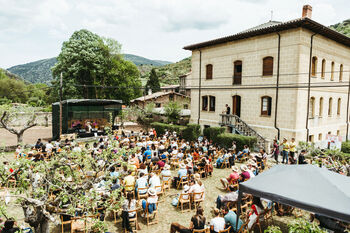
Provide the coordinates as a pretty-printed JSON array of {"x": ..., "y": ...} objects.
[{"x": 307, "y": 187}]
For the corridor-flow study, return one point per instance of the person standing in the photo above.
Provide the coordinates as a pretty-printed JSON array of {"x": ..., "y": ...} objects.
[
  {"x": 276, "y": 150},
  {"x": 285, "y": 151},
  {"x": 292, "y": 150},
  {"x": 228, "y": 109}
]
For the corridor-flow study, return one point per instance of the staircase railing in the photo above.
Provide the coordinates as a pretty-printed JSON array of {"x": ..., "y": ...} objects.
[{"x": 241, "y": 127}]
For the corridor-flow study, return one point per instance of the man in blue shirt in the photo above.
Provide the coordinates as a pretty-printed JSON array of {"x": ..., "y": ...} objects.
[
  {"x": 230, "y": 218},
  {"x": 181, "y": 173},
  {"x": 147, "y": 154}
]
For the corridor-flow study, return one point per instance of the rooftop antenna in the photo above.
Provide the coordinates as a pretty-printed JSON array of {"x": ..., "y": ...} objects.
[{"x": 271, "y": 15}]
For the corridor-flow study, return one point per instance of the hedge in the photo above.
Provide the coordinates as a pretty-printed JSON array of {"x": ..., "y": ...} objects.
[
  {"x": 212, "y": 133},
  {"x": 225, "y": 140},
  {"x": 191, "y": 132},
  {"x": 345, "y": 147},
  {"x": 161, "y": 127}
]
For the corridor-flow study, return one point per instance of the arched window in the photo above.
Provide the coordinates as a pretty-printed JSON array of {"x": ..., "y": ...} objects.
[
  {"x": 314, "y": 66},
  {"x": 268, "y": 66},
  {"x": 320, "y": 110},
  {"x": 266, "y": 105},
  {"x": 209, "y": 71},
  {"x": 330, "y": 106},
  {"x": 312, "y": 107},
  {"x": 341, "y": 73},
  {"x": 332, "y": 71},
  {"x": 323, "y": 68},
  {"x": 338, "y": 106}
]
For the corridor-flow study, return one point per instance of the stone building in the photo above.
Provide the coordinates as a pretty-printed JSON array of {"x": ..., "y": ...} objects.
[
  {"x": 161, "y": 98},
  {"x": 280, "y": 79}
]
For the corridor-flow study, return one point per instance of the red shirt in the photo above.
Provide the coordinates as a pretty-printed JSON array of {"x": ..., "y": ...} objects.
[
  {"x": 160, "y": 164},
  {"x": 233, "y": 176}
]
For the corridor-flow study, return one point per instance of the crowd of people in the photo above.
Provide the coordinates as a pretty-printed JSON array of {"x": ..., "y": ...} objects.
[{"x": 144, "y": 173}]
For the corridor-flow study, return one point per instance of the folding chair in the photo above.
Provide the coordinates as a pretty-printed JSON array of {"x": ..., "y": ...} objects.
[
  {"x": 133, "y": 220},
  {"x": 143, "y": 195},
  {"x": 183, "y": 201},
  {"x": 227, "y": 230},
  {"x": 197, "y": 199},
  {"x": 148, "y": 215},
  {"x": 167, "y": 182},
  {"x": 183, "y": 180}
]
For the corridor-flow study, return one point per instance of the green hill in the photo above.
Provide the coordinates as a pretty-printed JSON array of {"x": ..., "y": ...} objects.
[
  {"x": 137, "y": 60},
  {"x": 40, "y": 71},
  {"x": 35, "y": 72},
  {"x": 343, "y": 27}
]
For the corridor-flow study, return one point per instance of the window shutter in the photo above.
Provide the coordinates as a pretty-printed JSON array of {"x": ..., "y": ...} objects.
[
  {"x": 209, "y": 71},
  {"x": 268, "y": 66}
]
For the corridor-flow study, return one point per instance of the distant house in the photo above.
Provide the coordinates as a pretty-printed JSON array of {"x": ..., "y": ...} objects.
[
  {"x": 184, "y": 87},
  {"x": 161, "y": 98},
  {"x": 170, "y": 88}
]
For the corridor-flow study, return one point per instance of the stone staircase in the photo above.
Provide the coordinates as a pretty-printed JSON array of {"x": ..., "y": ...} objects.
[{"x": 242, "y": 128}]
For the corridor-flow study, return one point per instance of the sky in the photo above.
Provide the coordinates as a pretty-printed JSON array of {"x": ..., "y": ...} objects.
[{"x": 31, "y": 30}]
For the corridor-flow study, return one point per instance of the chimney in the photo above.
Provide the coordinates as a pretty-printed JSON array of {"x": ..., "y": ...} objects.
[{"x": 307, "y": 11}]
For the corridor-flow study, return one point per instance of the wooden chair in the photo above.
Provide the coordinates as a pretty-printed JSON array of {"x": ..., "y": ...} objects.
[
  {"x": 202, "y": 172},
  {"x": 65, "y": 223},
  {"x": 174, "y": 163},
  {"x": 205, "y": 230},
  {"x": 197, "y": 199},
  {"x": 225, "y": 163},
  {"x": 233, "y": 183},
  {"x": 142, "y": 196},
  {"x": 257, "y": 223},
  {"x": 133, "y": 220},
  {"x": 148, "y": 215},
  {"x": 244, "y": 209},
  {"x": 244, "y": 227},
  {"x": 268, "y": 215},
  {"x": 182, "y": 182},
  {"x": 227, "y": 230},
  {"x": 129, "y": 188},
  {"x": 161, "y": 192},
  {"x": 183, "y": 201},
  {"x": 167, "y": 182}
]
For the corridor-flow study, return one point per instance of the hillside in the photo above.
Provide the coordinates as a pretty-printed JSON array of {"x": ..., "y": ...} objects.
[
  {"x": 40, "y": 71},
  {"x": 343, "y": 27},
  {"x": 138, "y": 60},
  {"x": 35, "y": 72}
]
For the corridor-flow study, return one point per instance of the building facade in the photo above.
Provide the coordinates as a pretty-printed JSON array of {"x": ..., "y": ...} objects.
[{"x": 283, "y": 79}]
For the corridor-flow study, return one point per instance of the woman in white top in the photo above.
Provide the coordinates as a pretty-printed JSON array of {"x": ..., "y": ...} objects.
[
  {"x": 257, "y": 210},
  {"x": 128, "y": 205}
]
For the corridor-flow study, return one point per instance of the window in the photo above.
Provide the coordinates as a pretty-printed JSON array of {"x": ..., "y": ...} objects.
[
  {"x": 314, "y": 66},
  {"x": 341, "y": 73},
  {"x": 212, "y": 103},
  {"x": 185, "y": 106},
  {"x": 339, "y": 106},
  {"x": 266, "y": 105},
  {"x": 338, "y": 132},
  {"x": 158, "y": 105},
  {"x": 204, "y": 103},
  {"x": 237, "y": 72},
  {"x": 323, "y": 68},
  {"x": 330, "y": 103},
  {"x": 312, "y": 107},
  {"x": 171, "y": 97},
  {"x": 320, "y": 110},
  {"x": 209, "y": 71},
  {"x": 332, "y": 71},
  {"x": 320, "y": 137},
  {"x": 268, "y": 66},
  {"x": 311, "y": 138}
]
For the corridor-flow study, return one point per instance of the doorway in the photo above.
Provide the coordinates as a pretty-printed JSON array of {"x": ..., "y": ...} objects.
[{"x": 236, "y": 105}]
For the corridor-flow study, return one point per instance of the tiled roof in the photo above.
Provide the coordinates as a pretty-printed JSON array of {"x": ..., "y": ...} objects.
[
  {"x": 273, "y": 27},
  {"x": 156, "y": 95}
]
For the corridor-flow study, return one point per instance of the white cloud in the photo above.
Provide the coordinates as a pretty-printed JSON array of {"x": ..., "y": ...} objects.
[{"x": 157, "y": 29}]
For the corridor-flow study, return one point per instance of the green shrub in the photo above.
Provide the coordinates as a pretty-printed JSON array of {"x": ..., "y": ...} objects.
[
  {"x": 213, "y": 132},
  {"x": 191, "y": 132},
  {"x": 302, "y": 225},
  {"x": 273, "y": 229},
  {"x": 225, "y": 140},
  {"x": 345, "y": 147},
  {"x": 161, "y": 127}
]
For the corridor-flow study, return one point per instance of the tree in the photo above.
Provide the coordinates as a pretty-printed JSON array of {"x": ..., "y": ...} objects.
[
  {"x": 9, "y": 115},
  {"x": 70, "y": 182},
  {"x": 172, "y": 111},
  {"x": 92, "y": 67},
  {"x": 153, "y": 81}
]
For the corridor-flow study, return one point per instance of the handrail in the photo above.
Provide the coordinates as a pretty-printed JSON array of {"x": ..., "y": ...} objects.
[{"x": 238, "y": 120}]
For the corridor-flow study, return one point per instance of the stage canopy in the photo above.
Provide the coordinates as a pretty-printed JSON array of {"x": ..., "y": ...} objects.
[{"x": 306, "y": 187}]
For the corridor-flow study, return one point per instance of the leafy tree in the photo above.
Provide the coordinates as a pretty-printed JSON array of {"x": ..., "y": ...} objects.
[
  {"x": 63, "y": 186},
  {"x": 153, "y": 81},
  {"x": 172, "y": 111},
  {"x": 89, "y": 63},
  {"x": 9, "y": 115}
]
